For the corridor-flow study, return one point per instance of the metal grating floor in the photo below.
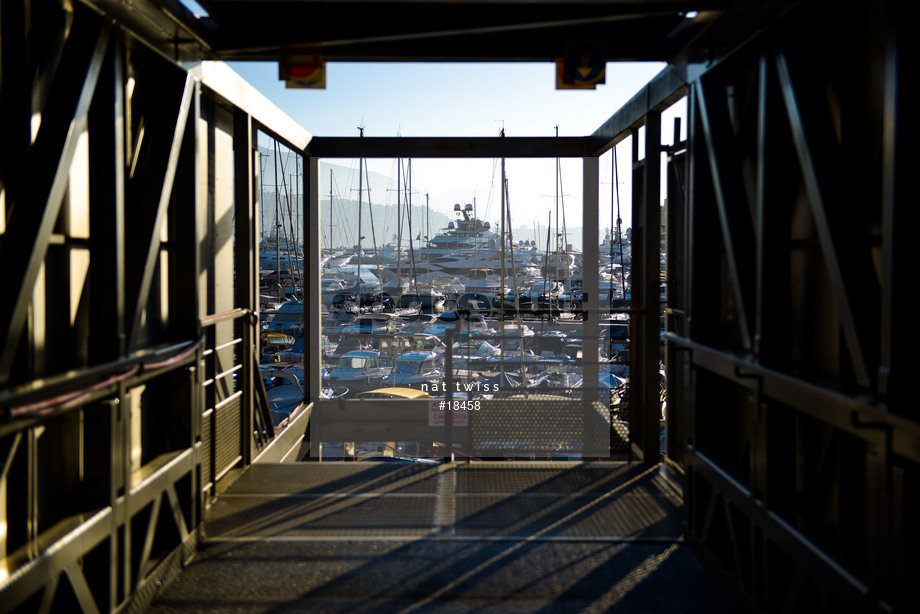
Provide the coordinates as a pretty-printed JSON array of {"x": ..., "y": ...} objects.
[{"x": 514, "y": 536}]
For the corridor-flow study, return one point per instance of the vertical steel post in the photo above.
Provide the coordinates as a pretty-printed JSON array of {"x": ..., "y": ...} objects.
[
  {"x": 645, "y": 409},
  {"x": 591, "y": 277},
  {"x": 246, "y": 260},
  {"x": 759, "y": 426},
  {"x": 312, "y": 330}
]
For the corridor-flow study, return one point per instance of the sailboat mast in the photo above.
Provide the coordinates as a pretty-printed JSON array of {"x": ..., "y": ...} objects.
[
  {"x": 409, "y": 202},
  {"x": 502, "y": 286},
  {"x": 277, "y": 227},
  {"x": 399, "y": 221},
  {"x": 297, "y": 219},
  {"x": 549, "y": 229},
  {"x": 370, "y": 210},
  {"x": 565, "y": 232},
  {"x": 330, "y": 211},
  {"x": 294, "y": 213},
  {"x": 360, "y": 193},
  {"x": 411, "y": 247},
  {"x": 427, "y": 227},
  {"x": 261, "y": 194},
  {"x": 502, "y": 235},
  {"x": 616, "y": 186},
  {"x": 514, "y": 284},
  {"x": 557, "y": 194}
]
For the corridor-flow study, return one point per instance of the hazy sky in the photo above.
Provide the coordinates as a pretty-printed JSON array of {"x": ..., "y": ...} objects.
[{"x": 443, "y": 99}]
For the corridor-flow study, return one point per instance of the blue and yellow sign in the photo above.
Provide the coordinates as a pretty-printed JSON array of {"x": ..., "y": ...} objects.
[{"x": 583, "y": 67}]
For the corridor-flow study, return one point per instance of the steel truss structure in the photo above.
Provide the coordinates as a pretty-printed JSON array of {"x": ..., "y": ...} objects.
[
  {"x": 787, "y": 333},
  {"x": 128, "y": 380}
]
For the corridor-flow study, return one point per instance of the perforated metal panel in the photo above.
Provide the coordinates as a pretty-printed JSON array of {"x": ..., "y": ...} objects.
[
  {"x": 544, "y": 424},
  {"x": 228, "y": 443}
]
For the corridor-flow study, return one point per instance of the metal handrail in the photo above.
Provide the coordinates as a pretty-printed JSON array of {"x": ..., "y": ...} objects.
[
  {"x": 223, "y": 346},
  {"x": 76, "y": 390},
  {"x": 859, "y": 416},
  {"x": 73, "y": 390},
  {"x": 232, "y": 314},
  {"x": 261, "y": 416},
  {"x": 222, "y": 375},
  {"x": 213, "y": 320}
]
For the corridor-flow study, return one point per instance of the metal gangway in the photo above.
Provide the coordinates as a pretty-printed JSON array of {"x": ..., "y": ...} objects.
[{"x": 137, "y": 444}]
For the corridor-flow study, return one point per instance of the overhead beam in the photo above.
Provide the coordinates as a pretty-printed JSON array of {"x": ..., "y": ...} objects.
[
  {"x": 665, "y": 88},
  {"x": 453, "y": 147},
  {"x": 508, "y": 34}
]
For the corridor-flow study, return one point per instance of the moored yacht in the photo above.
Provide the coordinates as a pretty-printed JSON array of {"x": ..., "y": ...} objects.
[
  {"x": 467, "y": 235},
  {"x": 358, "y": 370},
  {"x": 413, "y": 369}
]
